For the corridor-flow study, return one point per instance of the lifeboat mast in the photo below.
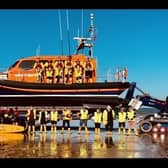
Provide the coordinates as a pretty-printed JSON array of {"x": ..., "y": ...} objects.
[{"x": 87, "y": 42}]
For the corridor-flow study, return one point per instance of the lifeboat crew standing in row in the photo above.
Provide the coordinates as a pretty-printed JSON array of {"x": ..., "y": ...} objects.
[
  {"x": 66, "y": 116},
  {"x": 54, "y": 119},
  {"x": 131, "y": 121},
  {"x": 88, "y": 71},
  {"x": 108, "y": 116},
  {"x": 43, "y": 116},
  {"x": 68, "y": 72},
  {"x": 83, "y": 119},
  {"x": 122, "y": 117},
  {"x": 31, "y": 117},
  {"x": 97, "y": 120},
  {"x": 78, "y": 72}
]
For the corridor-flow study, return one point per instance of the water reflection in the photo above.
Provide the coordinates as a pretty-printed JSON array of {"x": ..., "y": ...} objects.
[
  {"x": 84, "y": 148},
  {"x": 121, "y": 142},
  {"x": 53, "y": 144},
  {"x": 64, "y": 149},
  {"x": 57, "y": 145},
  {"x": 11, "y": 138},
  {"x": 145, "y": 139},
  {"x": 160, "y": 138},
  {"x": 83, "y": 138}
]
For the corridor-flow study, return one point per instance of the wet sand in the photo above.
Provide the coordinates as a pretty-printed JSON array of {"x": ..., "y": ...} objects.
[{"x": 56, "y": 145}]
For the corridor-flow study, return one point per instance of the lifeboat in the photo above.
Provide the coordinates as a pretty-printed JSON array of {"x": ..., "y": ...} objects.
[{"x": 59, "y": 80}]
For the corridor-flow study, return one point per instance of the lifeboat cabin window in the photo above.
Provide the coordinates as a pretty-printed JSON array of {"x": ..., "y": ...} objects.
[
  {"x": 13, "y": 65},
  {"x": 27, "y": 64}
]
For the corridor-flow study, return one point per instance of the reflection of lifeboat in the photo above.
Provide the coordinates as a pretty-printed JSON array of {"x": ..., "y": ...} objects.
[
  {"x": 11, "y": 137},
  {"x": 10, "y": 128},
  {"x": 28, "y": 85}
]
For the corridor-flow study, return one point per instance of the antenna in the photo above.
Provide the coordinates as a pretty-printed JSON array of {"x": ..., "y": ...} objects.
[
  {"x": 60, "y": 26},
  {"x": 91, "y": 31},
  {"x": 67, "y": 16},
  {"x": 38, "y": 50},
  {"x": 82, "y": 24}
]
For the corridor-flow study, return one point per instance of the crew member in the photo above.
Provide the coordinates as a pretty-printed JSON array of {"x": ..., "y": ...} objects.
[
  {"x": 78, "y": 72},
  {"x": 49, "y": 74},
  {"x": 97, "y": 120},
  {"x": 122, "y": 116},
  {"x": 67, "y": 116},
  {"x": 39, "y": 71},
  {"x": 54, "y": 119},
  {"x": 31, "y": 117},
  {"x": 43, "y": 116},
  {"x": 88, "y": 71},
  {"x": 45, "y": 68},
  {"x": 68, "y": 72},
  {"x": 131, "y": 121},
  {"x": 83, "y": 119},
  {"x": 108, "y": 116},
  {"x": 58, "y": 71}
]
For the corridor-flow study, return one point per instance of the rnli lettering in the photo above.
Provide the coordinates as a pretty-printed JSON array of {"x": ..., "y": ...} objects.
[{"x": 25, "y": 75}]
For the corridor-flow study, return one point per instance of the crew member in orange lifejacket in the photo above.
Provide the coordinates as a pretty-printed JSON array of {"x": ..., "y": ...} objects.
[
  {"x": 88, "y": 71},
  {"x": 31, "y": 117},
  {"x": 58, "y": 72},
  {"x": 79, "y": 72},
  {"x": 68, "y": 72}
]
